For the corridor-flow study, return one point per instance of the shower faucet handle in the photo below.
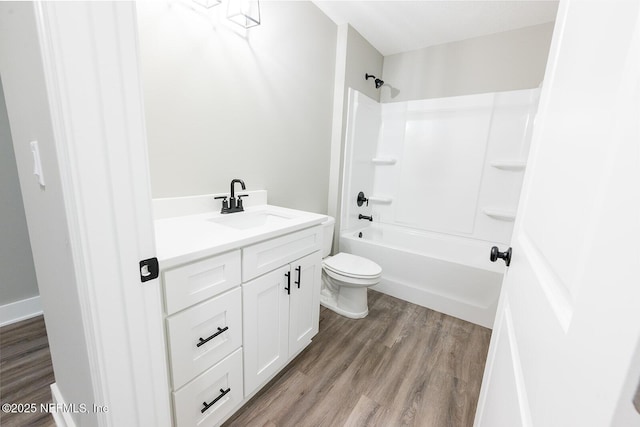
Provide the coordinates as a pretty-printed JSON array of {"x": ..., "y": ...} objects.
[{"x": 361, "y": 199}]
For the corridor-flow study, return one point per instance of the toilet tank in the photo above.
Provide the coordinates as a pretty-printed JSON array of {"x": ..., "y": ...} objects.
[{"x": 327, "y": 230}]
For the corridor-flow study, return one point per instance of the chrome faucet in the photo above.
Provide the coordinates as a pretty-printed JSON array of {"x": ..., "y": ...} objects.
[{"x": 233, "y": 205}]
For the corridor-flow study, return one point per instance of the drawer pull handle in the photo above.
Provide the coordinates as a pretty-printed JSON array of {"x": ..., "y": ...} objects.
[
  {"x": 288, "y": 287},
  {"x": 204, "y": 341},
  {"x": 209, "y": 405},
  {"x": 299, "y": 270}
]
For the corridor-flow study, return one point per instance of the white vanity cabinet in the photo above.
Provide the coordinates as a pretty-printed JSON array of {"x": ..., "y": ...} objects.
[
  {"x": 234, "y": 319},
  {"x": 281, "y": 312},
  {"x": 281, "y": 307}
]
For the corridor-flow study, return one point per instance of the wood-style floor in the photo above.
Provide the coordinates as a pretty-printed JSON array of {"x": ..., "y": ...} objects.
[
  {"x": 25, "y": 372},
  {"x": 403, "y": 365}
]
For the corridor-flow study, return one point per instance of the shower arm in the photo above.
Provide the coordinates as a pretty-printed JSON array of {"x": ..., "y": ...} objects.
[{"x": 378, "y": 82}]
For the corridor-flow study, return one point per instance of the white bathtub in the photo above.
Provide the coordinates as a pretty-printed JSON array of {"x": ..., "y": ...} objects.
[{"x": 449, "y": 274}]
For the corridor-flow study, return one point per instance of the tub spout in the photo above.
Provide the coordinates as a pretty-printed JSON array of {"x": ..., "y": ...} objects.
[{"x": 370, "y": 218}]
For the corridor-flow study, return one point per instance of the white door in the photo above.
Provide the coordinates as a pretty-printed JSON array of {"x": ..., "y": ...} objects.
[
  {"x": 265, "y": 326},
  {"x": 568, "y": 320},
  {"x": 304, "y": 309}
]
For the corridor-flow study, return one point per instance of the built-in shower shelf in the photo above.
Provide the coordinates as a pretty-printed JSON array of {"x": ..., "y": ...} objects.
[
  {"x": 499, "y": 214},
  {"x": 509, "y": 165},
  {"x": 383, "y": 200},
  {"x": 383, "y": 161}
]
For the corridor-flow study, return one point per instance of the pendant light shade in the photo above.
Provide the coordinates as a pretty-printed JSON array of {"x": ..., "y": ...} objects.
[
  {"x": 245, "y": 13},
  {"x": 208, "y": 3}
]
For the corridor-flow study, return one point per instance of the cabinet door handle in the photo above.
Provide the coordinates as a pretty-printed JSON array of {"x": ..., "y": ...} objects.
[
  {"x": 288, "y": 287},
  {"x": 209, "y": 405},
  {"x": 206, "y": 340},
  {"x": 299, "y": 270}
]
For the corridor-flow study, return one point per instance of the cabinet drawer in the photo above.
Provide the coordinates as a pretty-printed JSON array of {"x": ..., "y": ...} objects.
[
  {"x": 266, "y": 256},
  {"x": 198, "y": 281},
  {"x": 189, "y": 402},
  {"x": 187, "y": 331}
]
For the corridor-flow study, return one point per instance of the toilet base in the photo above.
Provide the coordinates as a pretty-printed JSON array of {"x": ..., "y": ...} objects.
[{"x": 351, "y": 302}]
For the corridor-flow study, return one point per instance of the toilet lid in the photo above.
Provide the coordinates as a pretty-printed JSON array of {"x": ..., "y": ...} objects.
[{"x": 352, "y": 265}]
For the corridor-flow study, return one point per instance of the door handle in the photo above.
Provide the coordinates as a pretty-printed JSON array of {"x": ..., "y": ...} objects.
[
  {"x": 299, "y": 270},
  {"x": 223, "y": 392},
  {"x": 495, "y": 254},
  {"x": 288, "y": 287},
  {"x": 206, "y": 340}
]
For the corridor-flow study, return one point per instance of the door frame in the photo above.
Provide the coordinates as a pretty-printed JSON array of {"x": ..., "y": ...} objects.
[{"x": 90, "y": 62}]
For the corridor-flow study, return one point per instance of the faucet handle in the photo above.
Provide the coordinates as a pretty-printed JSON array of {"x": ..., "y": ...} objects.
[
  {"x": 361, "y": 199},
  {"x": 225, "y": 205},
  {"x": 239, "y": 205}
]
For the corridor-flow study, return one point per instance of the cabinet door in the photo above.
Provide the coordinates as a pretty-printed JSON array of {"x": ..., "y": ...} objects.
[
  {"x": 265, "y": 325},
  {"x": 305, "y": 304}
]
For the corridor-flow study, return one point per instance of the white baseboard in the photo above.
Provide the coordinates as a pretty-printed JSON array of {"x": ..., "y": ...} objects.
[
  {"x": 20, "y": 310},
  {"x": 482, "y": 316},
  {"x": 61, "y": 418}
]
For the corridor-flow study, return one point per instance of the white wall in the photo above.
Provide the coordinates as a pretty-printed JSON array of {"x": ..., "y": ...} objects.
[
  {"x": 17, "y": 273},
  {"x": 459, "y": 159},
  {"x": 504, "y": 61},
  {"x": 355, "y": 57},
  {"x": 363, "y": 132},
  {"x": 28, "y": 110},
  {"x": 224, "y": 103},
  {"x": 453, "y": 162}
]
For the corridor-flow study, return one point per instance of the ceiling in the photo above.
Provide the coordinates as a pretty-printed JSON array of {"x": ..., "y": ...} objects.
[{"x": 395, "y": 26}]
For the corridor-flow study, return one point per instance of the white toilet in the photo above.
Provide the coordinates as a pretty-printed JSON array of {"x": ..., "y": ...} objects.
[{"x": 345, "y": 278}]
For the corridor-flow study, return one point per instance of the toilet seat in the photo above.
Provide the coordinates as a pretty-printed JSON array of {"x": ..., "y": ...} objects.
[{"x": 347, "y": 267}]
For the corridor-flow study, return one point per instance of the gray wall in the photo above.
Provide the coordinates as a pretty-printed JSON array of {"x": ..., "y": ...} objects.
[
  {"x": 222, "y": 103},
  {"x": 510, "y": 60},
  {"x": 362, "y": 58},
  {"x": 17, "y": 273},
  {"x": 29, "y": 116}
]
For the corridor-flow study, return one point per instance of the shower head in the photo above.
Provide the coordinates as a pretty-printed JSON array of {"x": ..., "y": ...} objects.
[{"x": 377, "y": 81}]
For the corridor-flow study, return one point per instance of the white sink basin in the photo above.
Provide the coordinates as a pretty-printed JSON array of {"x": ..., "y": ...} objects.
[{"x": 247, "y": 220}]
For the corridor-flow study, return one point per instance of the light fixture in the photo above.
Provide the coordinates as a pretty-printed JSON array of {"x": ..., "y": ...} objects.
[
  {"x": 245, "y": 13},
  {"x": 208, "y": 3}
]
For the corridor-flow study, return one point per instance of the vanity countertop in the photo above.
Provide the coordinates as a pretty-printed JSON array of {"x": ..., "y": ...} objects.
[{"x": 184, "y": 239}]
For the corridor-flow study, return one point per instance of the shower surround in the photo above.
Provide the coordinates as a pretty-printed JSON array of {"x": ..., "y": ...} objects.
[{"x": 442, "y": 177}]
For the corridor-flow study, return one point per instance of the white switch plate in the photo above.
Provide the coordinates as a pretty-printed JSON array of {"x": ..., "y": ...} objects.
[{"x": 37, "y": 163}]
